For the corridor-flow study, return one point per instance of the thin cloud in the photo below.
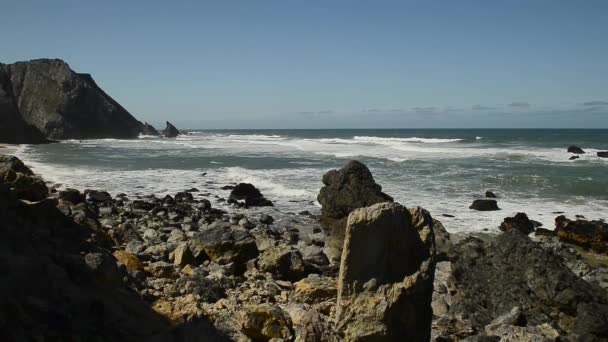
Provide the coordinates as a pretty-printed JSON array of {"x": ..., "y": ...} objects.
[
  {"x": 595, "y": 103},
  {"x": 383, "y": 110},
  {"x": 480, "y": 107},
  {"x": 430, "y": 109},
  {"x": 520, "y": 104}
]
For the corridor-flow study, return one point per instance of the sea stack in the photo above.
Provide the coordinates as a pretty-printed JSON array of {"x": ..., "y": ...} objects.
[
  {"x": 170, "y": 131},
  {"x": 149, "y": 130},
  {"x": 61, "y": 103}
]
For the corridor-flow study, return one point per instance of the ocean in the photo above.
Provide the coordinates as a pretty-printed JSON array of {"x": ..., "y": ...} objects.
[{"x": 442, "y": 170}]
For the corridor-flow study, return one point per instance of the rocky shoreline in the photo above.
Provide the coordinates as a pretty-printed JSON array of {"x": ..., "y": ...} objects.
[{"x": 86, "y": 265}]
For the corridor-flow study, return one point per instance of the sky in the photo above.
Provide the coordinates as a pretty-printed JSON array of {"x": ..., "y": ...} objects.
[{"x": 332, "y": 63}]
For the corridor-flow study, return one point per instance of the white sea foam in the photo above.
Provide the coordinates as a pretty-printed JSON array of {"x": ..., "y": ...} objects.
[{"x": 381, "y": 140}]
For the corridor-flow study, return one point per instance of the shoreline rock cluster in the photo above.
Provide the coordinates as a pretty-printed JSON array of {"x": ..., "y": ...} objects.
[{"x": 92, "y": 266}]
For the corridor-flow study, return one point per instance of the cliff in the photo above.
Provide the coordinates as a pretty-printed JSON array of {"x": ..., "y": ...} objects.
[{"x": 62, "y": 104}]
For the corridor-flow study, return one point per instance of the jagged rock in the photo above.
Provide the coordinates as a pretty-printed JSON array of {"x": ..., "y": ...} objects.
[
  {"x": 492, "y": 277},
  {"x": 315, "y": 289},
  {"x": 161, "y": 269},
  {"x": 252, "y": 195},
  {"x": 421, "y": 219},
  {"x": 345, "y": 190},
  {"x": 63, "y": 104},
  {"x": 20, "y": 180},
  {"x": 451, "y": 328},
  {"x": 386, "y": 276},
  {"x": 148, "y": 129},
  {"x": 519, "y": 222},
  {"x": 265, "y": 322},
  {"x": 587, "y": 234},
  {"x": 309, "y": 325},
  {"x": 575, "y": 149},
  {"x": 484, "y": 205},
  {"x": 602, "y": 154},
  {"x": 184, "y": 309},
  {"x": 223, "y": 245},
  {"x": 170, "y": 131},
  {"x": 182, "y": 255}
]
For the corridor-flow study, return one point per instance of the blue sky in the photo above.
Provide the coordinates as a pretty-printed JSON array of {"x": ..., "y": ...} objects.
[{"x": 330, "y": 64}]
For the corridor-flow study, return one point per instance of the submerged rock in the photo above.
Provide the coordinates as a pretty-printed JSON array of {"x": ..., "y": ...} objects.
[
  {"x": 575, "y": 149},
  {"x": 250, "y": 194},
  {"x": 484, "y": 205},
  {"x": 602, "y": 154},
  {"x": 490, "y": 194},
  {"x": 345, "y": 190},
  {"x": 170, "y": 131},
  {"x": 386, "y": 276}
]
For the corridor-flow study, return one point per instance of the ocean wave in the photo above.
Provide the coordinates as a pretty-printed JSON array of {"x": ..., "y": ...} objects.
[
  {"x": 267, "y": 181},
  {"x": 381, "y": 140}
]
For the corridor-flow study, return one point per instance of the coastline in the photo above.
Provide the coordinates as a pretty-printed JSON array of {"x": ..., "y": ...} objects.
[{"x": 9, "y": 148}]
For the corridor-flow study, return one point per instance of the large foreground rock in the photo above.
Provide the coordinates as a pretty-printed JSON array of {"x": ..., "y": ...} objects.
[
  {"x": 386, "y": 276},
  {"x": 492, "y": 278},
  {"x": 345, "y": 190},
  {"x": 60, "y": 103}
]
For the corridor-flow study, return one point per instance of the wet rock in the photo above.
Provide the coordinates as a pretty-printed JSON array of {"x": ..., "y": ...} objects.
[
  {"x": 490, "y": 194},
  {"x": 266, "y": 219},
  {"x": 170, "y": 131},
  {"x": 282, "y": 261},
  {"x": 264, "y": 322},
  {"x": 72, "y": 195},
  {"x": 575, "y": 149},
  {"x": 98, "y": 196},
  {"x": 587, "y": 234},
  {"x": 602, "y": 154},
  {"x": 345, "y": 190},
  {"x": 385, "y": 284},
  {"x": 520, "y": 222},
  {"x": 184, "y": 197},
  {"x": 484, "y": 205},
  {"x": 573, "y": 158},
  {"x": 250, "y": 194}
]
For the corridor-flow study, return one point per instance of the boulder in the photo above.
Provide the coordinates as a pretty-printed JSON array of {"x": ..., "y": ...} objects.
[
  {"x": 575, "y": 149},
  {"x": 21, "y": 180},
  {"x": 63, "y": 104},
  {"x": 265, "y": 322},
  {"x": 131, "y": 261},
  {"x": 282, "y": 261},
  {"x": 250, "y": 194},
  {"x": 224, "y": 245},
  {"x": 170, "y": 131},
  {"x": 345, "y": 190},
  {"x": 587, "y": 234},
  {"x": 491, "y": 278},
  {"x": 182, "y": 255},
  {"x": 520, "y": 222},
  {"x": 72, "y": 195},
  {"x": 98, "y": 196},
  {"x": 184, "y": 196},
  {"x": 602, "y": 154},
  {"x": 386, "y": 275},
  {"x": 315, "y": 289},
  {"x": 422, "y": 219},
  {"x": 484, "y": 205}
]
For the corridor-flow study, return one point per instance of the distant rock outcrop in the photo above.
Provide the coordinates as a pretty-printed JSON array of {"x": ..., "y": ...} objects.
[
  {"x": 345, "y": 190},
  {"x": 386, "y": 276},
  {"x": 148, "y": 129},
  {"x": 62, "y": 104},
  {"x": 170, "y": 131}
]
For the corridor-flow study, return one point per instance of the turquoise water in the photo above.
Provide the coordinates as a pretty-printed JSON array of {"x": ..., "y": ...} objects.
[{"x": 441, "y": 170}]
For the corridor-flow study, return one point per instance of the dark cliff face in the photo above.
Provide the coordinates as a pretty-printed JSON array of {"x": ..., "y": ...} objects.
[
  {"x": 13, "y": 129},
  {"x": 63, "y": 104}
]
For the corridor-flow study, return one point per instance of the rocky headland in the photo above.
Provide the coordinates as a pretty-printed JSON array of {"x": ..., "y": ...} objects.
[
  {"x": 44, "y": 99},
  {"x": 88, "y": 265}
]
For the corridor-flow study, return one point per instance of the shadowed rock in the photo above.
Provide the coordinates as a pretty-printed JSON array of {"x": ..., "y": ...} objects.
[
  {"x": 170, "y": 131},
  {"x": 602, "y": 154},
  {"x": 63, "y": 104},
  {"x": 519, "y": 222},
  {"x": 148, "y": 129},
  {"x": 575, "y": 149},
  {"x": 484, "y": 205},
  {"x": 345, "y": 190},
  {"x": 386, "y": 276}
]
